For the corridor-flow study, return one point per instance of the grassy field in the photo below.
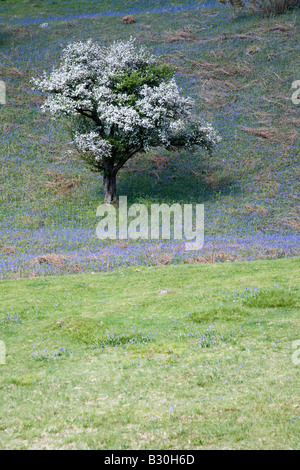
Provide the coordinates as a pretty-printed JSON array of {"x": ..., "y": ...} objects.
[{"x": 174, "y": 357}]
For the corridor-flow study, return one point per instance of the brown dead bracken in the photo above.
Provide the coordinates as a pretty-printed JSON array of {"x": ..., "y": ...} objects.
[{"x": 128, "y": 19}]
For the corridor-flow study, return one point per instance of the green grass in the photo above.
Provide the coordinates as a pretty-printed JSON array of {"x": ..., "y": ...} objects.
[
  {"x": 216, "y": 371},
  {"x": 44, "y": 8}
]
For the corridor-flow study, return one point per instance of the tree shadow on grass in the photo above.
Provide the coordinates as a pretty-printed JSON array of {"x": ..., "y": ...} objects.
[{"x": 168, "y": 178}]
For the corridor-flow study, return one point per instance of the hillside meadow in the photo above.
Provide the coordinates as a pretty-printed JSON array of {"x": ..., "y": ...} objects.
[
  {"x": 141, "y": 344},
  {"x": 239, "y": 73}
]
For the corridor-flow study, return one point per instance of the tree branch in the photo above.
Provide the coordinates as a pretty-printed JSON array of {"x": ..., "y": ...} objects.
[
  {"x": 130, "y": 154},
  {"x": 91, "y": 115},
  {"x": 84, "y": 113}
]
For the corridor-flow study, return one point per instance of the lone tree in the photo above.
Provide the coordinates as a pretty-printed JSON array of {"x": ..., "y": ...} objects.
[{"x": 120, "y": 101}]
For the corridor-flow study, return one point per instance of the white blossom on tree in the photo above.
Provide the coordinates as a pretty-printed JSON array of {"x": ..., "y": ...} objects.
[{"x": 120, "y": 102}]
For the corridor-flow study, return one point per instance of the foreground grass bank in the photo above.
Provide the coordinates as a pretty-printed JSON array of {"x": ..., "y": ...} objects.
[{"x": 173, "y": 357}]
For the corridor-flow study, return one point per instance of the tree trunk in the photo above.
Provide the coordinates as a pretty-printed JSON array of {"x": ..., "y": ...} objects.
[{"x": 110, "y": 185}]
